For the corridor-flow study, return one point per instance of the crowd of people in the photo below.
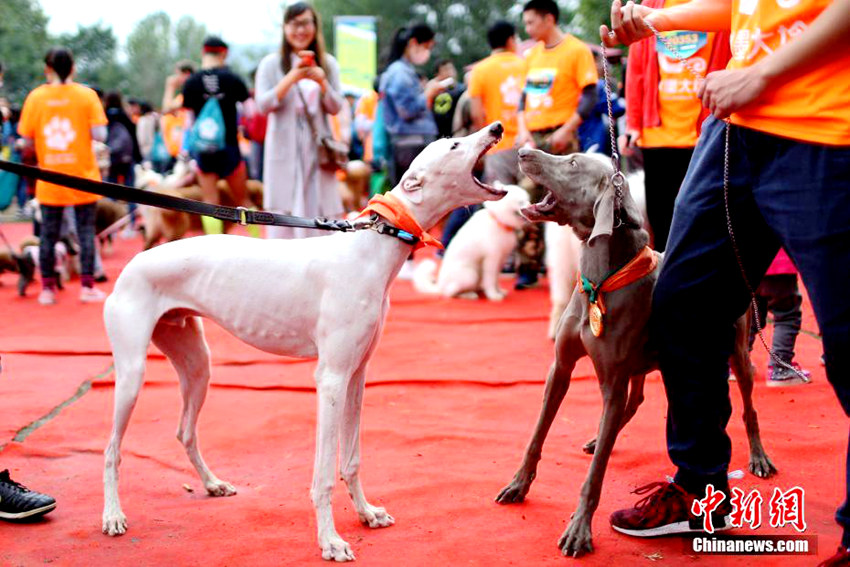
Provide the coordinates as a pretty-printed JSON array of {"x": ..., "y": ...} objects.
[{"x": 298, "y": 128}]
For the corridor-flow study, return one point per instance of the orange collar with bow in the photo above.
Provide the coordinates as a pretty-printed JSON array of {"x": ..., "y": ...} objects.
[{"x": 393, "y": 209}]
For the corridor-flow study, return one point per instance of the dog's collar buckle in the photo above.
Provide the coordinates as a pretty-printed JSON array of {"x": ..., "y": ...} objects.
[{"x": 389, "y": 230}]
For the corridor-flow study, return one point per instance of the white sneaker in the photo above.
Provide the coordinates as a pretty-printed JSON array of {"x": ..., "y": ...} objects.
[
  {"x": 47, "y": 297},
  {"x": 92, "y": 295}
]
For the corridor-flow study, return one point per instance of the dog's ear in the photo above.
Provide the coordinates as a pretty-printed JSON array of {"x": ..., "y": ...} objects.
[
  {"x": 603, "y": 214},
  {"x": 413, "y": 184}
]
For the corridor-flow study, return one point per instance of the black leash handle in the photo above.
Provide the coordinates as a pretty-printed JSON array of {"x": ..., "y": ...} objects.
[{"x": 119, "y": 192}]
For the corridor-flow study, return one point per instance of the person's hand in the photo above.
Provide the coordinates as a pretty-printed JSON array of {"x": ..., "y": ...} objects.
[
  {"x": 316, "y": 74},
  {"x": 627, "y": 24},
  {"x": 176, "y": 81},
  {"x": 524, "y": 139},
  {"x": 432, "y": 89},
  {"x": 627, "y": 142},
  {"x": 724, "y": 92},
  {"x": 560, "y": 140}
]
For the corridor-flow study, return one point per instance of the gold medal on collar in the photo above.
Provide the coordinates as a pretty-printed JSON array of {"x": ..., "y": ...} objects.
[{"x": 595, "y": 315}]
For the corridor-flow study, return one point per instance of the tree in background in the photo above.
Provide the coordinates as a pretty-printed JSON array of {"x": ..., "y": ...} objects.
[
  {"x": 23, "y": 45},
  {"x": 95, "y": 51},
  {"x": 154, "y": 46}
]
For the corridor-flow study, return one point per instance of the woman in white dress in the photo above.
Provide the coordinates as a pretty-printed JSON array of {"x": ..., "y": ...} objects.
[{"x": 294, "y": 182}]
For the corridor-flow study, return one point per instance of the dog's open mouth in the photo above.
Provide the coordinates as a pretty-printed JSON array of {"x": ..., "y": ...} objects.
[
  {"x": 542, "y": 209},
  {"x": 488, "y": 188}
]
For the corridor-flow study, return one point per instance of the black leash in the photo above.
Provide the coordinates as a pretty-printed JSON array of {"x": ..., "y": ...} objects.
[{"x": 239, "y": 215}]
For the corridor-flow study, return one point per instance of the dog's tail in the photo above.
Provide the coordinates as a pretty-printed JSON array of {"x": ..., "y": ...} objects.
[{"x": 425, "y": 277}]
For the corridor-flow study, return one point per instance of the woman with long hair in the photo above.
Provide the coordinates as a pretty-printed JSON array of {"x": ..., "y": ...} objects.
[
  {"x": 61, "y": 118},
  {"x": 298, "y": 87},
  {"x": 406, "y": 104}
]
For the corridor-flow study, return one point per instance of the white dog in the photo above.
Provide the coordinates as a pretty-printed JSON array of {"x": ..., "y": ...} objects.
[
  {"x": 475, "y": 256},
  {"x": 563, "y": 249},
  {"x": 317, "y": 297}
]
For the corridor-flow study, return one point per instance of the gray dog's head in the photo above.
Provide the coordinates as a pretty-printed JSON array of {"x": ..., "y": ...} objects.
[{"x": 579, "y": 192}]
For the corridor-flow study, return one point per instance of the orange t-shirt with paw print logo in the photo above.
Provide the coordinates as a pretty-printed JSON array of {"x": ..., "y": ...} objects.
[
  {"x": 60, "y": 118},
  {"x": 813, "y": 107}
]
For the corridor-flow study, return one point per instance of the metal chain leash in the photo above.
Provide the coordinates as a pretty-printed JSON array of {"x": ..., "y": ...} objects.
[
  {"x": 688, "y": 64},
  {"x": 618, "y": 180}
]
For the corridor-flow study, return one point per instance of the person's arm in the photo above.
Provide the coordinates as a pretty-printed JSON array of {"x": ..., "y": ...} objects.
[
  {"x": 627, "y": 21},
  {"x": 725, "y": 92},
  {"x": 523, "y": 136},
  {"x": 332, "y": 99},
  {"x": 476, "y": 111},
  {"x": 407, "y": 97},
  {"x": 98, "y": 133}
]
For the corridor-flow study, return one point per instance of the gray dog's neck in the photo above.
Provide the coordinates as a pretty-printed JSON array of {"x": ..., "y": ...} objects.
[{"x": 610, "y": 253}]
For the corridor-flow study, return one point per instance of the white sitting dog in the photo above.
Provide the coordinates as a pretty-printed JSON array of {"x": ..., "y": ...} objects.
[
  {"x": 475, "y": 256},
  {"x": 563, "y": 250},
  {"x": 316, "y": 297}
]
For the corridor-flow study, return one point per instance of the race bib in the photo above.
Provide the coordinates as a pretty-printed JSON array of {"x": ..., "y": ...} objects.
[{"x": 682, "y": 43}]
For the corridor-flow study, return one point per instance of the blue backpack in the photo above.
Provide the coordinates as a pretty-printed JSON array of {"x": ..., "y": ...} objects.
[{"x": 207, "y": 134}]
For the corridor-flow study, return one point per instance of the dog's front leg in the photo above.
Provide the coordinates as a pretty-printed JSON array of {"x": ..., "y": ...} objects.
[
  {"x": 577, "y": 539},
  {"x": 490, "y": 270},
  {"x": 330, "y": 387},
  {"x": 372, "y": 516}
]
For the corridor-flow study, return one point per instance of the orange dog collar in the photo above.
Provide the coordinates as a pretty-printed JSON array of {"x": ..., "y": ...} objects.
[
  {"x": 393, "y": 209},
  {"x": 641, "y": 265}
]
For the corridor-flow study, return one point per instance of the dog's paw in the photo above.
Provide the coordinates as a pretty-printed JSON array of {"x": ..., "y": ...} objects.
[
  {"x": 589, "y": 447},
  {"x": 576, "y": 540},
  {"x": 515, "y": 492},
  {"x": 376, "y": 517},
  {"x": 219, "y": 488},
  {"x": 114, "y": 524},
  {"x": 334, "y": 548},
  {"x": 761, "y": 465}
]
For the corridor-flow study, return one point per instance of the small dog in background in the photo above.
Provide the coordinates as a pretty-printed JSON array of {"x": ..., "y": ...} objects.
[
  {"x": 474, "y": 258},
  {"x": 67, "y": 262},
  {"x": 164, "y": 224},
  {"x": 354, "y": 188}
]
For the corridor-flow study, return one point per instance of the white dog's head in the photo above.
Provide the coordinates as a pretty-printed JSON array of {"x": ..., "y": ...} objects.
[
  {"x": 508, "y": 209},
  {"x": 440, "y": 178}
]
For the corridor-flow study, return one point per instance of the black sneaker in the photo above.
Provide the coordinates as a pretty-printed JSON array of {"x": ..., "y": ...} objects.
[{"x": 18, "y": 502}]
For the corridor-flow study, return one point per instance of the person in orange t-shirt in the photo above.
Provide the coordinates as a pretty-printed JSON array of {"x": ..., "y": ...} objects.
[
  {"x": 559, "y": 93},
  {"x": 663, "y": 111},
  {"x": 495, "y": 89},
  {"x": 785, "y": 94},
  {"x": 61, "y": 119},
  {"x": 364, "y": 118}
]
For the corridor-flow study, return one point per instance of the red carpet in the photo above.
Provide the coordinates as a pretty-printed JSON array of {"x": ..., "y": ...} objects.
[{"x": 454, "y": 390}]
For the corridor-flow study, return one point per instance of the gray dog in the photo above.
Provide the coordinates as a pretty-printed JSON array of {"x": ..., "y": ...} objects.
[{"x": 581, "y": 195}]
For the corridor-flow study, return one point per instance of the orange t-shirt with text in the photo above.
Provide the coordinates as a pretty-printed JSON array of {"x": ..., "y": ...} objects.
[
  {"x": 814, "y": 107},
  {"x": 498, "y": 82},
  {"x": 60, "y": 118},
  {"x": 554, "y": 79},
  {"x": 678, "y": 105}
]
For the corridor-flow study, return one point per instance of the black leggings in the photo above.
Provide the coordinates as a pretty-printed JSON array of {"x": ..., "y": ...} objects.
[
  {"x": 665, "y": 169},
  {"x": 51, "y": 225}
]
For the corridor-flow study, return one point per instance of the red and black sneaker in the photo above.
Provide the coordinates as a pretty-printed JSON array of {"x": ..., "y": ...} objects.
[
  {"x": 666, "y": 511},
  {"x": 840, "y": 559}
]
